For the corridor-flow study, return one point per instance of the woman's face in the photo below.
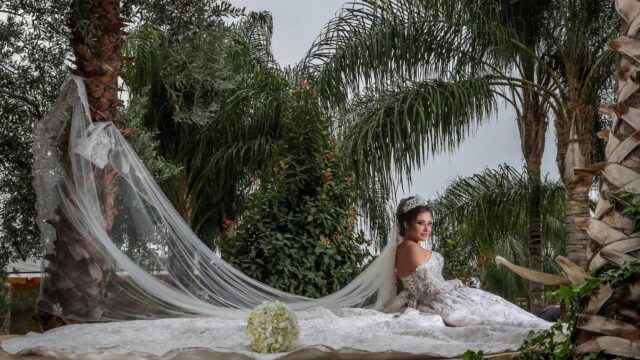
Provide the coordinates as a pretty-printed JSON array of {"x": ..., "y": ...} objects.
[{"x": 420, "y": 229}]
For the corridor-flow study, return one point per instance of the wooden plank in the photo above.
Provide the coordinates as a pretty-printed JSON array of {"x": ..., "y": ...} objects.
[
  {"x": 589, "y": 170},
  {"x": 612, "y": 144},
  {"x": 602, "y": 207},
  {"x": 632, "y": 117},
  {"x": 628, "y": 86},
  {"x": 622, "y": 177},
  {"x": 615, "y": 257},
  {"x": 624, "y": 148},
  {"x": 618, "y": 221},
  {"x": 629, "y": 10}
]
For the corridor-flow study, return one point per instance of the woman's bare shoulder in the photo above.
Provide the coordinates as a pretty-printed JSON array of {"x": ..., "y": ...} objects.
[
  {"x": 410, "y": 256},
  {"x": 411, "y": 248}
]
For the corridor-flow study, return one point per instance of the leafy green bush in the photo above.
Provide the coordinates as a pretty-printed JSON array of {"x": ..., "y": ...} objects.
[
  {"x": 298, "y": 232},
  {"x": 459, "y": 255}
]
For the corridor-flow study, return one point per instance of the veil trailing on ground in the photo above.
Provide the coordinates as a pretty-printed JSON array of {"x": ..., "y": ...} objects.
[{"x": 116, "y": 249}]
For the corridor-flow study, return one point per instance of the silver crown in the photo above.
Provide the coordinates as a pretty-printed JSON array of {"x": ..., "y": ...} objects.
[{"x": 414, "y": 202}]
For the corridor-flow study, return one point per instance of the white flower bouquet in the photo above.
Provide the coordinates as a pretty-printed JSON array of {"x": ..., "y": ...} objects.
[{"x": 272, "y": 327}]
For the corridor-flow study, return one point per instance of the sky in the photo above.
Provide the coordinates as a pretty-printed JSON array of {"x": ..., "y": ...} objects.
[{"x": 296, "y": 23}]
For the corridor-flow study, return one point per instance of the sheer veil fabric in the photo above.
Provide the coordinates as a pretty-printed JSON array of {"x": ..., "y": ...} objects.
[{"x": 157, "y": 266}]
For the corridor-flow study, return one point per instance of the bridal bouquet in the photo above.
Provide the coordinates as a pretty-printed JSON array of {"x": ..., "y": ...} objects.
[{"x": 272, "y": 327}]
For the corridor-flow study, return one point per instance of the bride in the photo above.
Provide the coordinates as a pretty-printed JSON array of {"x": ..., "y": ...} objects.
[{"x": 420, "y": 271}]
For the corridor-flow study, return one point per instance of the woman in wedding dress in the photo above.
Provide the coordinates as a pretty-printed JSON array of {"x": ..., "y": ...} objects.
[{"x": 420, "y": 271}]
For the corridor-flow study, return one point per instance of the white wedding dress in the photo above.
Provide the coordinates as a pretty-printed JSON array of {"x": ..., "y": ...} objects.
[
  {"x": 344, "y": 331},
  {"x": 427, "y": 291}
]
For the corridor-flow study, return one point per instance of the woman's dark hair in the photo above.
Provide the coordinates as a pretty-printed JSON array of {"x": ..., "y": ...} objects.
[{"x": 409, "y": 216}]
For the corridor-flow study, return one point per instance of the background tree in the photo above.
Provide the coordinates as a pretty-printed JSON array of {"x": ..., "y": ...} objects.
[
  {"x": 487, "y": 214},
  {"x": 32, "y": 68},
  {"x": 298, "y": 232},
  {"x": 602, "y": 297},
  {"x": 213, "y": 100}
]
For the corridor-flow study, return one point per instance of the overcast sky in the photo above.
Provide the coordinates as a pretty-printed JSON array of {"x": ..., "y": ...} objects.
[{"x": 297, "y": 22}]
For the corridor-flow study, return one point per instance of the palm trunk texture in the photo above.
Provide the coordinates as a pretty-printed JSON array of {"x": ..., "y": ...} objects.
[
  {"x": 608, "y": 323},
  {"x": 532, "y": 126},
  {"x": 76, "y": 275}
]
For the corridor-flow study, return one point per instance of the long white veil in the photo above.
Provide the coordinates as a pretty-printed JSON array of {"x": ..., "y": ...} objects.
[{"x": 139, "y": 260}]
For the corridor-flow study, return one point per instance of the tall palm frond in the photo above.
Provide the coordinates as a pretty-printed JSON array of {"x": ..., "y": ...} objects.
[
  {"x": 256, "y": 29},
  {"x": 375, "y": 44},
  {"x": 387, "y": 134},
  {"x": 490, "y": 210},
  {"x": 145, "y": 44}
]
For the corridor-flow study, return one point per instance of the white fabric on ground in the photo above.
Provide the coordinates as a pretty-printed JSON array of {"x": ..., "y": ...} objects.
[{"x": 356, "y": 329}]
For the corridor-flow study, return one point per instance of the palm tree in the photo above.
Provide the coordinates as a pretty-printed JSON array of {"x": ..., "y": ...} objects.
[
  {"x": 583, "y": 79},
  {"x": 608, "y": 322},
  {"x": 507, "y": 44},
  {"x": 607, "y": 288},
  {"x": 488, "y": 214}
]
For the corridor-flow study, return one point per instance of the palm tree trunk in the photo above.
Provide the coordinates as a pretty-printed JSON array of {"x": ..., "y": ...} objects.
[
  {"x": 576, "y": 207},
  {"x": 576, "y": 142},
  {"x": 532, "y": 125},
  {"x": 608, "y": 323},
  {"x": 96, "y": 37},
  {"x": 536, "y": 290}
]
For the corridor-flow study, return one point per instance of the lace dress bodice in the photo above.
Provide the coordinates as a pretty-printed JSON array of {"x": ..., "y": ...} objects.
[{"x": 426, "y": 282}]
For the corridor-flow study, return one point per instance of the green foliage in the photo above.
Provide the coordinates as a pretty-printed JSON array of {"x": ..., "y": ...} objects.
[
  {"x": 547, "y": 346},
  {"x": 632, "y": 207},
  {"x": 385, "y": 134},
  {"x": 32, "y": 69},
  {"x": 473, "y": 355},
  {"x": 298, "y": 233},
  {"x": 23, "y": 311},
  {"x": 5, "y": 308},
  {"x": 487, "y": 214},
  {"x": 460, "y": 255},
  {"x": 145, "y": 142},
  {"x": 213, "y": 101},
  {"x": 541, "y": 56}
]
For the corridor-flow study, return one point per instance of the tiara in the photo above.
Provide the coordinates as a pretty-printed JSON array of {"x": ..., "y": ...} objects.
[{"x": 414, "y": 202}]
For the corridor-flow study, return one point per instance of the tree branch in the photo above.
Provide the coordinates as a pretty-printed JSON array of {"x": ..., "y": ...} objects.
[{"x": 24, "y": 99}]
